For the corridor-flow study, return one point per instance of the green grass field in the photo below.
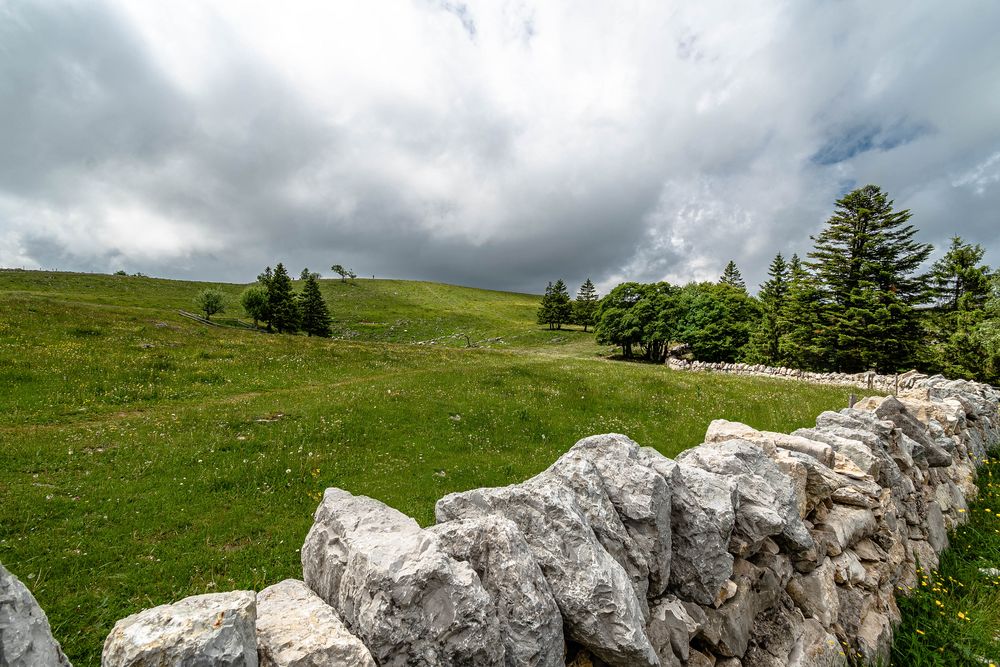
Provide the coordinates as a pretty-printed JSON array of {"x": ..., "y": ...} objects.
[{"x": 146, "y": 457}]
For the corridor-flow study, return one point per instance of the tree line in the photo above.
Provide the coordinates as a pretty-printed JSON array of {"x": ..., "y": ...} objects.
[
  {"x": 860, "y": 300},
  {"x": 557, "y": 309}
]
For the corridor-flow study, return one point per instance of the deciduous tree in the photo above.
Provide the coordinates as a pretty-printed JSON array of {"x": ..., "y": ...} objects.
[{"x": 210, "y": 302}]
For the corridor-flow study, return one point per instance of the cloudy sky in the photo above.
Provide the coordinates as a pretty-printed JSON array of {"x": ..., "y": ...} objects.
[{"x": 496, "y": 143}]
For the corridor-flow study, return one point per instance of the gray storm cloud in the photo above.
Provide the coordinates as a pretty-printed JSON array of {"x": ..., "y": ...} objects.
[{"x": 489, "y": 144}]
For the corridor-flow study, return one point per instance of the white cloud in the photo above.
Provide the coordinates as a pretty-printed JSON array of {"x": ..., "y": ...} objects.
[{"x": 493, "y": 143}]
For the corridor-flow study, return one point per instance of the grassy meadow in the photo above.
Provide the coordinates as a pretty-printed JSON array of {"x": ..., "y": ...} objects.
[{"x": 145, "y": 457}]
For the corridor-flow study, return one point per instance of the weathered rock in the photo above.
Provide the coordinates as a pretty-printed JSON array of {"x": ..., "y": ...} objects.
[
  {"x": 295, "y": 628},
  {"x": 395, "y": 588},
  {"x": 728, "y": 628},
  {"x": 721, "y": 430},
  {"x": 849, "y": 524},
  {"x": 215, "y": 629},
  {"x": 581, "y": 477},
  {"x": 640, "y": 495},
  {"x": 703, "y": 514},
  {"x": 671, "y": 629},
  {"x": 874, "y": 638},
  {"x": 783, "y": 638},
  {"x": 593, "y": 591},
  {"x": 937, "y": 535},
  {"x": 531, "y": 626},
  {"x": 25, "y": 636},
  {"x": 767, "y": 503},
  {"x": 816, "y": 593}
]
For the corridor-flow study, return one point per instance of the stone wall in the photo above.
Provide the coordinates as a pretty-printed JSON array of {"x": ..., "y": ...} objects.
[
  {"x": 752, "y": 549},
  {"x": 888, "y": 384}
]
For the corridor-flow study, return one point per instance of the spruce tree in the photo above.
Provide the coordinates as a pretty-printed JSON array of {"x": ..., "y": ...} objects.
[
  {"x": 765, "y": 338},
  {"x": 585, "y": 307},
  {"x": 959, "y": 280},
  {"x": 315, "y": 315},
  {"x": 281, "y": 301},
  {"x": 732, "y": 276},
  {"x": 866, "y": 261},
  {"x": 545, "y": 312},
  {"x": 562, "y": 305},
  {"x": 804, "y": 334}
]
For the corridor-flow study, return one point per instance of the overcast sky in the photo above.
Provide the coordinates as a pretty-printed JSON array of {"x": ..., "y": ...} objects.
[{"x": 496, "y": 144}]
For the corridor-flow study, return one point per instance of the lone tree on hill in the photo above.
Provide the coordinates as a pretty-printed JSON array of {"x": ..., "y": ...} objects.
[
  {"x": 866, "y": 261},
  {"x": 556, "y": 308},
  {"x": 585, "y": 306},
  {"x": 254, "y": 302},
  {"x": 343, "y": 272},
  {"x": 732, "y": 276},
  {"x": 315, "y": 315},
  {"x": 210, "y": 302},
  {"x": 281, "y": 301}
]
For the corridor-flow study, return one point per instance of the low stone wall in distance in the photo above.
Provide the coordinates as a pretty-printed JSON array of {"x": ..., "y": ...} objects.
[
  {"x": 886, "y": 384},
  {"x": 752, "y": 549}
]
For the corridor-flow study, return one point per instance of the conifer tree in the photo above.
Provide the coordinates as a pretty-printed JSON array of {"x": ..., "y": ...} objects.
[
  {"x": 764, "y": 342},
  {"x": 545, "y": 312},
  {"x": 585, "y": 307},
  {"x": 281, "y": 302},
  {"x": 315, "y": 315},
  {"x": 562, "y": 305},
  {"x": 732, "y": 276},
  {"x": 959, "y": 280},
  {"x": 804, "y": 332},
  {"x": 866, "y": 261}
]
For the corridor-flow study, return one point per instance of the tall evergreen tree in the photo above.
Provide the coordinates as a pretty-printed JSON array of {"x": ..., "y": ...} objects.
[
  {"x": 281, "y": 301},
  {"x": 546, "y": 314},
  {"x": 804, "y": 332},
  {"x": 866, "y": 261},
  {"x": 959, "y": 280},
  {"x": 562, "y": 306},
  {"x": 585, "y": 307},
  {"x": 764, "y": 341},
  {"x": 315, "y": 315},
  {"x": 732, "y": 276}
]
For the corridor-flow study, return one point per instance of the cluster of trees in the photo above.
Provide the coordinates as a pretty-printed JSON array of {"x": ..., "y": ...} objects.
[
  {"x": 860, "y": 300},
  {"x": 557, "y": 309},
  {"x": 272, "y": 301}
]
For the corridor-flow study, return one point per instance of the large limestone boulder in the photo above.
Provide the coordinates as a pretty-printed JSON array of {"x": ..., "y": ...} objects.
[
  {"x": 295, "y": 628},
  {"x": 768, "y": 504},
  {"x": 531, "y": 626},
  {"x": 395, "y": 588},
  {"x": 593, "y": 591},
  {"x": 721, "y": 430},
  {"x": 703, "y": 515},
  {"x": 25, "y": 636},
  {"x": 640, "y": 495},
  {"x": 582, "y": 478},
  {"x": 216, "y": 629}
]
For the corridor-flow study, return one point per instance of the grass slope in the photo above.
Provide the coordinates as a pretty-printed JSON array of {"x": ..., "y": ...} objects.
[{"x": 147, "y": 457}]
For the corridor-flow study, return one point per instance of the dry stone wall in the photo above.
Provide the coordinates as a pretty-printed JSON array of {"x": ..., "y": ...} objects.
[
  {"x": 870, "y": 379},
  {"x": 754, "y": 549}
]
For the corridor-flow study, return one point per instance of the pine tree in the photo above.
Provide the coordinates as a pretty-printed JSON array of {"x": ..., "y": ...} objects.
[
  {"x": 804, "y": 332},
  {"x": 545, "y": 313},
  {"x": 732, "y": 276},
  {"x": 315, "y": 315},
  {"x": 866, "y": 262},
  {"x": 959, "y": 281},
  {"x": 764, "y": 342},
  {"x": 281, "y": 301},
  {"x": 562, "y": 305},
  {"x": 585, "y": 307}
]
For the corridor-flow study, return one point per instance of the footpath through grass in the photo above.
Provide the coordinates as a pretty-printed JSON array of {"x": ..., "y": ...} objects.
[
  {"x": 145, "y": 457},
  {"x": 952, "y": 617}
]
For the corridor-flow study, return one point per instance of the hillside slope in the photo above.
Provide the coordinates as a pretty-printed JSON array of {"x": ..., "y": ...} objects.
[{"x": 147, "y": 457}]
